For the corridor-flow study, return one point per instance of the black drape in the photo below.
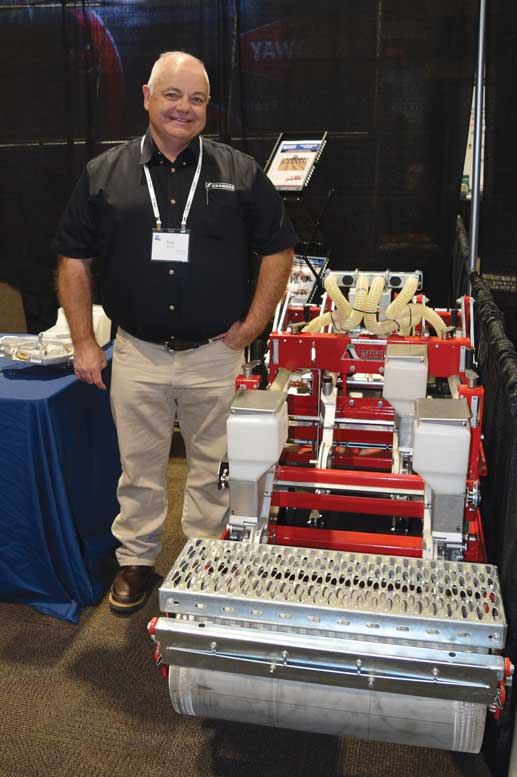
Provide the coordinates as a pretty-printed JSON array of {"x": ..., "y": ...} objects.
[
  {"x": 498, "y": 369},
  {"x": 498, "y": 225}
]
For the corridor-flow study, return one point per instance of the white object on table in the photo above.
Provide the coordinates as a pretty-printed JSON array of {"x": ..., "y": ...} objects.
[{"x": 101, "y": 325}]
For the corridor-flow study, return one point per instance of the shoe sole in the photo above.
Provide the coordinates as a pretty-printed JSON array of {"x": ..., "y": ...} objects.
[{"x": 126, "y": 609}]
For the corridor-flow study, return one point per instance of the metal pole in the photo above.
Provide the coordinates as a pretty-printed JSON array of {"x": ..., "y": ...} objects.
[{"x": 478, "y": 130}]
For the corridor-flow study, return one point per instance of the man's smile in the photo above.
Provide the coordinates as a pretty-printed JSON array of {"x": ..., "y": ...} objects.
[{"x": 178, "y": 119}]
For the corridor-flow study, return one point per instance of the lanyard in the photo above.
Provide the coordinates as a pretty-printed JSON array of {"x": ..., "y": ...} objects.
[{"x": 190, "y": 197}]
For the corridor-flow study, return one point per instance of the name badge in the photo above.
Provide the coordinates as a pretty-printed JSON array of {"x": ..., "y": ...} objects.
[{"x": 170, "y": 246}]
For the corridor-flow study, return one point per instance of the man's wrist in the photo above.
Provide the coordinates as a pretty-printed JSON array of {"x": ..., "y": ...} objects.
[
  {"x": 250, "y": 330},
  {"x": 84, "y": 341}
]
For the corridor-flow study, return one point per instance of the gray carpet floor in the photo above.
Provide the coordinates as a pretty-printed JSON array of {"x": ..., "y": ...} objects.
[{"x": 87, "y": 701}]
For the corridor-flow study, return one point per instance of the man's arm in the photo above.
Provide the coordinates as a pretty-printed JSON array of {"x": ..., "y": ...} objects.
[
  {"x": 273, "y": 276},
  {"x": 74, "y": 288}
]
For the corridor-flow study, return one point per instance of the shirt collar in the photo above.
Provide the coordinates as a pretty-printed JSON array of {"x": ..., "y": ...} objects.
[{"x": 151, "y": 153}]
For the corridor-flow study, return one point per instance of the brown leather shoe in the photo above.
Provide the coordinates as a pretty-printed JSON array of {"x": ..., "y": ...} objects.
[{"x": 131, "y": 588}]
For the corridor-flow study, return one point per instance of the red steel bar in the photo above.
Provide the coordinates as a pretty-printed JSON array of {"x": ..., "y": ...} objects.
[
  {"x": 343, "y": 477},
  {"x": 365, "y": 505},
  {"x": 360, "y": 460},
  {"x": 356, "y": 542},
  {"x": 373, "y": 458}
]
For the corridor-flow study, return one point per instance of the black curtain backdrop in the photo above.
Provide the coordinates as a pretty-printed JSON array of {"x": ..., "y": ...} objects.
[
  {"x": 498, "y": 244},
  {"x": 498, "y": 370},
  {"x": 389, "y": 80},
  {"x": 498, "y": 225}
]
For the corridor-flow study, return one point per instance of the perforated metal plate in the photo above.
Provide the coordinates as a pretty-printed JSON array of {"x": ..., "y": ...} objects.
[{"x": 348, "y": 593}]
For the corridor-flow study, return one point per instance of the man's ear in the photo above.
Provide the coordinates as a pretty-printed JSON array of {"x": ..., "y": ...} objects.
[{"x": 147, "y": 95}]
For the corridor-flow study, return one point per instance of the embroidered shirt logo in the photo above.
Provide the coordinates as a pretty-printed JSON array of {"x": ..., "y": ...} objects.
[{"x": 226, "y": 187}]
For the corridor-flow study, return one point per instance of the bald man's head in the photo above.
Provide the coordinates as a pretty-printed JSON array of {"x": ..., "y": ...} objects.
[
  {"x": 175, "y": 59},
  {"x": 176, "y": 98}
]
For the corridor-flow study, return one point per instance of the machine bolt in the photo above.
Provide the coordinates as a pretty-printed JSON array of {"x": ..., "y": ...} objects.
[
  {"x": 327, "y": 385},
  {"x": 358, "y": 664},
  {"x": 272, "y": 668},
  {"x": 381, "y": 370},
  {"x": 352, "y": 368},
  {"x": 247, "y": 369},
  {"x": 351, "y": 402},
  {"x": 213, "y": 647},
  {"x": 472, "y": 378},
  {"x": 379, "y": 403},
  {"x": 371, "y": 681},
  {"x": 285, "y": 656},
  {"x": 436, "y": 672}
]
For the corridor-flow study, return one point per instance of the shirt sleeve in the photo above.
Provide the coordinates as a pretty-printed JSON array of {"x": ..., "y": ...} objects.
[
  {"x": 270, "y": 228},
  {"x": 77, "y": 233}
]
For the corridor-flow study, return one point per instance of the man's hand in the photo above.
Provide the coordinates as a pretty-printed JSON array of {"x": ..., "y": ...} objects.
[
  {"x": 89, "y": 361},
  {"x": 74, "y": 286},
  {"x": 273, "y": 275},
  {"x": 239, "y": 336}
]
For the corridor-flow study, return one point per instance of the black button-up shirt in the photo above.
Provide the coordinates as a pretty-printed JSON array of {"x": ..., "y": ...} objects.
[{"x": 110, "y": 216}]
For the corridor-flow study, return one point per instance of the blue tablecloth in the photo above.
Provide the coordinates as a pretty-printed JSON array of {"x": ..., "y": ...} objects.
[{"x": 59, "y": 466}]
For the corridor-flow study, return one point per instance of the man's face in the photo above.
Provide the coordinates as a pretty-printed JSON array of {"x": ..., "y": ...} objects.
[{"x": 177, "y": 104}]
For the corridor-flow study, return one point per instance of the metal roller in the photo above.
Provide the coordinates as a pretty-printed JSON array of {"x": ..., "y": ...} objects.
[{"x": 326, "y": 709}]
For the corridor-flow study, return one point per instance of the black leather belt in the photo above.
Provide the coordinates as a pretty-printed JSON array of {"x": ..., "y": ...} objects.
[{"x": 180, "y": 344}]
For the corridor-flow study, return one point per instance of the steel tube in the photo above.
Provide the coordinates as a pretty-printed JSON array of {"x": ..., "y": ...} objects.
[{"x": 478, "y": 132}]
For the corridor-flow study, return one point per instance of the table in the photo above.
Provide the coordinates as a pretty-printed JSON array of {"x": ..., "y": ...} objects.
[{"x": 59, "y": 466}]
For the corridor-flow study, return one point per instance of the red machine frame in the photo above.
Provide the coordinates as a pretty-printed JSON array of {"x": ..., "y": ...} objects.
[{"x": 363, "y": 471}]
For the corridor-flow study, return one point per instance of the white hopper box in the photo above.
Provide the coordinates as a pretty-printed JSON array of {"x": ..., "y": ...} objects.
[
  {"x": 405, "y": 380},
  {"x": 441, "y": 457},
  {"x": 257, "y": 432}
]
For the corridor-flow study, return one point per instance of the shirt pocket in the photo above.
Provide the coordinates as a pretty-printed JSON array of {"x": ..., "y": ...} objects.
[{"x": 222, "y": 214}]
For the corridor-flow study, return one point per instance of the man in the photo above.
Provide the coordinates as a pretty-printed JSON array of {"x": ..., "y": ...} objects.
[{"x": 172, "y": 218}]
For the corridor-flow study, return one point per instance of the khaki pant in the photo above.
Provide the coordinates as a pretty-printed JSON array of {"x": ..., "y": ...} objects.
[{"x": 151, "y": 388}]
